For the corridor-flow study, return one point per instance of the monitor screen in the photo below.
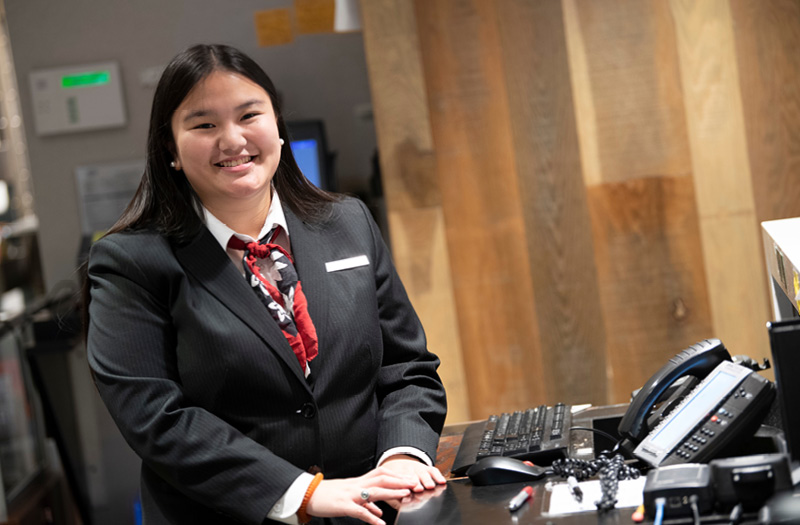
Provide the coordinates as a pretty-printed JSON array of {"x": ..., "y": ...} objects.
[
  {"x": 306, "y": 153},
  {"x": 310, "y": 150}
]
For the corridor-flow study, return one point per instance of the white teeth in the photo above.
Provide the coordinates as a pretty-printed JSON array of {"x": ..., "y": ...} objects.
[{"x": 232, "y": 163}]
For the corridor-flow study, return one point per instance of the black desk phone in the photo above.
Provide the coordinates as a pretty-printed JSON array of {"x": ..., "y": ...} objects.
[{"x": 695, "y": 406}]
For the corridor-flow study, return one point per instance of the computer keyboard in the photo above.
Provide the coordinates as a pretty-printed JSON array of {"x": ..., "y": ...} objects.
[{"x": 540, "y": 435}]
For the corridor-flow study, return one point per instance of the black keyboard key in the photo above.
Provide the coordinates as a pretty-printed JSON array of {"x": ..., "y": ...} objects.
[
  {"x": 539, "y": 434},
  {"x": 513, "y": 426},
  {"x": 525, "y": 424},
  {"x": 502, "y": 427},
  {"x": 512, "y": 447}
]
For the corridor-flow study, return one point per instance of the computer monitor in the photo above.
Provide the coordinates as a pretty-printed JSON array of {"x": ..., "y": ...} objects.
[
  {"x": 310, "y": 150},
  {"x": 784, "y": 338}
]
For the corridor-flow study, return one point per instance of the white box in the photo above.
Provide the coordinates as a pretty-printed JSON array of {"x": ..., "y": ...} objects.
[{"x": 77, "y": 98}]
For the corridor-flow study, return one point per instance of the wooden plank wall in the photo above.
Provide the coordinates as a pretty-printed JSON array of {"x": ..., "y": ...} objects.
[
  {"x": 408, "y": 168},
  {"x": 595, "y": 172}
]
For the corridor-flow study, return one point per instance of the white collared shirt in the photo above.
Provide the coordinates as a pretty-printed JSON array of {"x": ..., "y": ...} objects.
[{"x": 222, "y": 233}]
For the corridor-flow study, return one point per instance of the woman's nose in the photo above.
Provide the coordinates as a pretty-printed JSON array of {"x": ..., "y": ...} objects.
[{"x": 231, "y": 138}]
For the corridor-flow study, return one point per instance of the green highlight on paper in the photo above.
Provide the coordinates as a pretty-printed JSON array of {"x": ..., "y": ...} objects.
[{"x": 94, "y": 78}]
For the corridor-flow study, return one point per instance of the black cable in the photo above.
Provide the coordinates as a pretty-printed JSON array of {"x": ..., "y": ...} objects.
[
  {"x": 617, "y": 443},
  {"x": 610, "y": 472},
  {"x": 606, "y": 435}
]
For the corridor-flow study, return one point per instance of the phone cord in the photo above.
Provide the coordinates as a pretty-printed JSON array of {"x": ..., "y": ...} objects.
[{"x": 610, "y": 472}]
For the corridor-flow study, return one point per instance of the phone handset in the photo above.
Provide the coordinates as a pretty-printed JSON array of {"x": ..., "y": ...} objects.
[{"x": 698, "y": 360}]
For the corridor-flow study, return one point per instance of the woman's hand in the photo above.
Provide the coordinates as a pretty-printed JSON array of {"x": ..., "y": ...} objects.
[
  {"x": 343, "y": 497},
  {"x": 409, "y": 466}
]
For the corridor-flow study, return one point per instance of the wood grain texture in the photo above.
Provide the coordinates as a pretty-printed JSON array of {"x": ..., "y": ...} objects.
[
  {"x": 630, "y": 53},
  {"x": 767, "y": 42},
  {"x": 483, "y": 213},
  {"x": 581, "y": 83},
  {"x": 558, "y": 230},
  {"x": 732, "y": 253},
  {"x": 653, "y": 291},
  {"x": 412, "y": 195},
  {"x": 586, "y": 177}
]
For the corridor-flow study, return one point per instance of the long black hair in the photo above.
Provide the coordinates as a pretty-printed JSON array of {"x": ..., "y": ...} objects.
[{"x": 164, "y": 200}]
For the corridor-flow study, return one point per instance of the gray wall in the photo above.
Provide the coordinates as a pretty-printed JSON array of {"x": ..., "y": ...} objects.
[{"x": 320, "y": 76}]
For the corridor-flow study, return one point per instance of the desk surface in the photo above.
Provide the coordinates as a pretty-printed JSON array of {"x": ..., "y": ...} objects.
[{"x": 459, "y": 502}]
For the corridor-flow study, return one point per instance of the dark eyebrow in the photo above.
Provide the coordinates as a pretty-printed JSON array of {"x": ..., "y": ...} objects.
[
  {"x": 251, "y": 102},
  {"x": 198, "y": 113}
]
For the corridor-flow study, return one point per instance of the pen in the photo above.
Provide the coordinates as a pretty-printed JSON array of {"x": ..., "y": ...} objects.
[
  {"x": 518, "y": 500},
  {"x": 575, "y": 488},
  {"x": 638, "y": 515}
]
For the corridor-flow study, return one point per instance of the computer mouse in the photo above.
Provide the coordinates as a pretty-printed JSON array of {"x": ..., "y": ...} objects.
[{"x": 494, "y": 470}]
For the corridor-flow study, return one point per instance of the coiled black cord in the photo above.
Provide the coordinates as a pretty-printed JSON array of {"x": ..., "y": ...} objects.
[{"x": 610, "y": 472}]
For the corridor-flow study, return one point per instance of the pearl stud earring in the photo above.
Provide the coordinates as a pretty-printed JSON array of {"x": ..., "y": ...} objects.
[{"x": 282, "y": 142}]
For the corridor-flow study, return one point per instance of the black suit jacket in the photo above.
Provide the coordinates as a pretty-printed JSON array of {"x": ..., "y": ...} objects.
[{"x": 206, "y": 389}]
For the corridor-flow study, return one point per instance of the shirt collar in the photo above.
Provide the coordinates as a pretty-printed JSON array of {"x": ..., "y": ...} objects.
[{"x": 222, "y": 233}]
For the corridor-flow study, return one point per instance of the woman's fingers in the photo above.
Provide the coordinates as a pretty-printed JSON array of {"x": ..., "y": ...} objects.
[
  {"x": 430, "y": 477},
  {"x": 391, "y": 482},
  {"x": 382, "y": 494},
  {"x": 425, "y": 477},
  {"x": 356, "y": 497},
  {"x": 437, "y": 476},
  {"x": 365, "y": 514},
  {"x": 425, "y": 481},
  {"x": 385, "y": 474}
]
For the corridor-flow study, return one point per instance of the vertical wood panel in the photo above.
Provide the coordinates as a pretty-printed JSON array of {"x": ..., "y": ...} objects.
[
  {"x": 768, "y": 51},
  {"x": 483, "y": 212},
  {"x": 581, "y": 82},
  {"x": 731, "y": 243},
  {"x": 635, "y": 82},
  {"x": 412, "y": 193},
  {"x": 597, "y": 175},
  {"x": 651, "y": 276},
  {"x": 637, "y": 167},
  {"x": 557, "y": 226}
]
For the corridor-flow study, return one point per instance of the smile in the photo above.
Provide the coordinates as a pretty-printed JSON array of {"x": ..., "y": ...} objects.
[{"x": 233, "y": 163}]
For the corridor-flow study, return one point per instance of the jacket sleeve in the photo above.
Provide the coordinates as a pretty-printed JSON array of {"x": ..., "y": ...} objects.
[
  {"x": 410, "y": 393},
  {"x": 131, "y": 350}
]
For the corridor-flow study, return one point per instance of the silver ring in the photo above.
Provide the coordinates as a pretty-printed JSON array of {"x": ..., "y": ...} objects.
[{"x": 365, "y": 495}]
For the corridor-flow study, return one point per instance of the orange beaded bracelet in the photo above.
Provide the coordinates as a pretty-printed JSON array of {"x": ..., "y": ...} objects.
[{"x": 301, "y": 512}]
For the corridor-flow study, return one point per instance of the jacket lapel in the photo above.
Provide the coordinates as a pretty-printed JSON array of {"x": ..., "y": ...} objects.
[
  {"x": 205, "y": 259},
  {"x": 308, "y": 244}
]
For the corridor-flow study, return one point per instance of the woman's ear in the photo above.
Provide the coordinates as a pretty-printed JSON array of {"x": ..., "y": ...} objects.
[{"x": 175, "y": 164}]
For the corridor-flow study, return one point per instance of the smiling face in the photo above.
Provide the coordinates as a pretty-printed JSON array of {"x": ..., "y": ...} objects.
[{"x": 226, "y": 142}]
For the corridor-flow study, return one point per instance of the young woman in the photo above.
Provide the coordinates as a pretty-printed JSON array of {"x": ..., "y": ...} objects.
[{"x": 252, "y": 398}]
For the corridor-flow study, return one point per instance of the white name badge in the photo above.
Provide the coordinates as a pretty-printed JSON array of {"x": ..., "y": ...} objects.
[{"x": 346, "y": 264}]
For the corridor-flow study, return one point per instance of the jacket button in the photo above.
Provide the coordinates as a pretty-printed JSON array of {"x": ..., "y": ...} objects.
[{"x": 308, "y": 410}]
